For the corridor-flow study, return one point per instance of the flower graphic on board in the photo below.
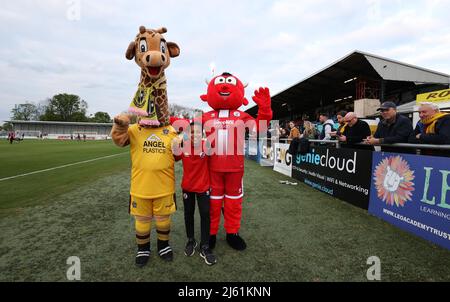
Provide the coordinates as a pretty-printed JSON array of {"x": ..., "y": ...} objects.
[{"x": 393, "y": 181}]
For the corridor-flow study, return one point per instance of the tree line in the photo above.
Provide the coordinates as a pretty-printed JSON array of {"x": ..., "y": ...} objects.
[
  {"x": 71, "y": 108},
  {"x": 60, "y": 108}
]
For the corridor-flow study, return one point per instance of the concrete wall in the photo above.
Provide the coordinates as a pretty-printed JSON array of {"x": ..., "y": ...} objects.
[{"x": 366, "y": 107}]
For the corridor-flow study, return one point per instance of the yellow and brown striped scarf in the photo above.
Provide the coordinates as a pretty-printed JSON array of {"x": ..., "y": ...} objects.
[
  {"x": 430, "y": 123},
  {"x": 342, "y": 129},
  {"x": 143, "y": 104}
]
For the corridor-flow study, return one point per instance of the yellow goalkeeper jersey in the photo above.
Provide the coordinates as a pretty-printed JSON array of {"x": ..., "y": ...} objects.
[{"x": 152, "y": 160}]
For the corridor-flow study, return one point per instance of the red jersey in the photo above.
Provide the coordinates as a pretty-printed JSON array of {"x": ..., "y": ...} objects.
[
  {"x": 195, "y": 172},
  {"x": 225, "y": 140}
]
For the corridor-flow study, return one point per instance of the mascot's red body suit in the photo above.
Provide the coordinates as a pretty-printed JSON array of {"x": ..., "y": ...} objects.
[{"x": 225, "y": 128}]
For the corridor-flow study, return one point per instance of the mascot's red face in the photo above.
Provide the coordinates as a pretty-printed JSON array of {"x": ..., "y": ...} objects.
[{"x": 225, "y": 92}]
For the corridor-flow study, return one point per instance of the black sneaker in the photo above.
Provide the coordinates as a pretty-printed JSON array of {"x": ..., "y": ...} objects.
[
  {"x": 165, "y": 251},
  {"x": 143, "y": 255},
  {"x": 207, "y": 255},
  {"x": 212, "y": 241},
  {"x": 236, "y": 242},
  {"x": 191, "y": 245}
]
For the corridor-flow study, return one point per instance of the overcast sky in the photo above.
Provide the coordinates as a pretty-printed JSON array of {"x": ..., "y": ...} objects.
[{"x": 58, "y": 46}]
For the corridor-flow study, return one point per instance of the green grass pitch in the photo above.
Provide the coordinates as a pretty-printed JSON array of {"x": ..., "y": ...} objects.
[{"x": 294, "y": 233}]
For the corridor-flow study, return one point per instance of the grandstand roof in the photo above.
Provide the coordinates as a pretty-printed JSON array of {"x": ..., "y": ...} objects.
[
  {"x": 325, "y": 86},
  {"x": 61, "y": 123}
]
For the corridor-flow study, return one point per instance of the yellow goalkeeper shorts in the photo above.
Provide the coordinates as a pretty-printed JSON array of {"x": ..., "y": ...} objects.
[{"x": 163, "y": 206}]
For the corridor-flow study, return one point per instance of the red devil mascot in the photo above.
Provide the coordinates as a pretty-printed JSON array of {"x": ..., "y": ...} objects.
[{"x": 225, "y": 127}]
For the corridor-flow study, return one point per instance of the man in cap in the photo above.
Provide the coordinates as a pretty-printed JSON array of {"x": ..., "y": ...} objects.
[{"x": 393, "y": 129}]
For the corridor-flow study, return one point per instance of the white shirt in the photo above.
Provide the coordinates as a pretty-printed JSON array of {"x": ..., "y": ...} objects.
[{"x": 328, "y": 129}]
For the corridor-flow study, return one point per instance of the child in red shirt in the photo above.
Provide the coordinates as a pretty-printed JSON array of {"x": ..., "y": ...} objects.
[{"x": 196, "y": 184}]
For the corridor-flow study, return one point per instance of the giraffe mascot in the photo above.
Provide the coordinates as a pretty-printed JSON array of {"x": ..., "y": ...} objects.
[{"x": 152, "y": 192}]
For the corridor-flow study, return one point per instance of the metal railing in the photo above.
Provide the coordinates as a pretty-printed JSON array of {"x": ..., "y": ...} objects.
[
  {"x": 338, "y": 144},
  {"x": 418, "y": 146},
  {"x": 328, "y": 142},
  {"x": 286, "y": 141}
]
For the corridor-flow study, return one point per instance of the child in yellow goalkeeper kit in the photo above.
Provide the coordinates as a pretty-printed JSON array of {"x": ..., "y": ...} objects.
[{"x": 152, "y": 192}]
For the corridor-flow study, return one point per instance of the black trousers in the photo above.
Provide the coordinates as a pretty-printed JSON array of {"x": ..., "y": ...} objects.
[{"x": 189, "y": 211}]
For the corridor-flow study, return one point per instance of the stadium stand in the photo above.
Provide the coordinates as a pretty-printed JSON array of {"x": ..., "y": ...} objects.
[{"x": 62, "y": 130}]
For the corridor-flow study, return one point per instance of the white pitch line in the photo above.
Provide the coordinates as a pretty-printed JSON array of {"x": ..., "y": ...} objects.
[{"x": 61, "y": 167}]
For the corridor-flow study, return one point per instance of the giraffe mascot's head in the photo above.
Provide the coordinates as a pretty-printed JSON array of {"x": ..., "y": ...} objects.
[{"x": 152, "y": 53}]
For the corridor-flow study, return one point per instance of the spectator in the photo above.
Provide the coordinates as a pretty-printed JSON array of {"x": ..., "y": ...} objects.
[
  {"x": 342, "y": 124},
  {"x": 433, "y": 127},
  {"x": 283, "y": 133},
  {"x": 341, "y": 120},
  {"x": 355, "y": 132},
  {"x": 286, "y": 127},
  {"x": 393, "y": 129},
  {"x": 274, "y": 132},
  {"x": 294, "y": 133},
  {"x": 310, "y": 130},
  {"x": 328, "y": 126}
]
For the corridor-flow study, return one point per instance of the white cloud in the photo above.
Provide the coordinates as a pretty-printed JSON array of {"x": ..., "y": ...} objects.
[{"x": 265, "y": 43}]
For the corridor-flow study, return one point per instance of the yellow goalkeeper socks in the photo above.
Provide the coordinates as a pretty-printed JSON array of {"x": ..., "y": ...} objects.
[
  {"x": 143, "y": 229},
  {"x": 163, "y": 229}
]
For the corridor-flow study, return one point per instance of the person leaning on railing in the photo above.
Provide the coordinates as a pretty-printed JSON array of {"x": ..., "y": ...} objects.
[
  {"x": 355, "y": 132},
  {"x": 342, "y": 124},
  {"x": 433, "y": 127},
  {"x": 283, "y": 134},
  {"x": 327, "y": 128},
  {"x": 294, "y": 133},
  {"x": 310, "y": 130},
  {"x": 393, "y": 129},
  {"x": 274, "y": 133},
  {"x": 341, "y": 120}
]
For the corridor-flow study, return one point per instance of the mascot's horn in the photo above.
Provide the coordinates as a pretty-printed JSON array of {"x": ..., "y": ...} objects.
[
  {"x": 161, "y": 30},
  {"x": 207, "y": 82},
  {"x": 245, "y": 85}
]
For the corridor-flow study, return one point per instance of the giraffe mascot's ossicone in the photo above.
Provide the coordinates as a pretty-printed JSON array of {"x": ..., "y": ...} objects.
[{"x": 152, "y": 192}]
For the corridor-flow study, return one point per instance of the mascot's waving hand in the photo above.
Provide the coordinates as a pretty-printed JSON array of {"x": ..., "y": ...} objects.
[{"x": 225, "y": 127}]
